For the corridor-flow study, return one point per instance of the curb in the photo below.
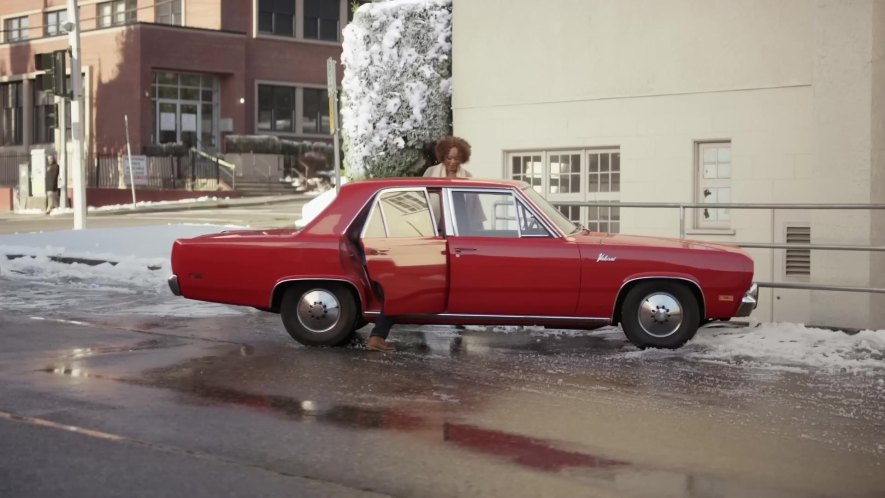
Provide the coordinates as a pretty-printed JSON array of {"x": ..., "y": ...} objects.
[{"x": 189, "y": 206}]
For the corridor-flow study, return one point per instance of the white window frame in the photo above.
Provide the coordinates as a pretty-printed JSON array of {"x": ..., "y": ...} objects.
[
  {"x": 713, "y": 188},
  {"x": 110, "y": 19},
  {"x": 541, "y": 167}
]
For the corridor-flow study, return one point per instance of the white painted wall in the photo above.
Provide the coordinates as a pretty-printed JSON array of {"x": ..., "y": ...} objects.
[{"x": 790, "y": 83}]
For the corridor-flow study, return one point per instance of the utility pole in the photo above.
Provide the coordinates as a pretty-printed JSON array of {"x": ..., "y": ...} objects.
[
  {"x": 332, "y": 89},
  {"x": 61, "y": 155},
  {"x": 73, "y": 28}
]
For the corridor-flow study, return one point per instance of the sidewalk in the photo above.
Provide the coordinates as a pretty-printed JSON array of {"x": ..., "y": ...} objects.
[{"x": 183, "y": 205}]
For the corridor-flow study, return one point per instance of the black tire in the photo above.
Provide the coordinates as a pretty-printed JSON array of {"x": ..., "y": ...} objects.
[
  {"x": 660, "y": 314},
  {"x": 326, "y": 317}
]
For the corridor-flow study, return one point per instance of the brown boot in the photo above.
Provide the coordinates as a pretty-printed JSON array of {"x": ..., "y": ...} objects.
[{"x": 377, "y": 343}]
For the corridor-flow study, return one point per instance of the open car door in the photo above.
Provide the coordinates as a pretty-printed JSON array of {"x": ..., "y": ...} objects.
[{"x": 405, "y": 255}]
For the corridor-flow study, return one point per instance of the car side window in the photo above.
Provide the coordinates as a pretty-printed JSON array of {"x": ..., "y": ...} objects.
[
  {"x": 494, "y": 214},
  {"x": 400, "y": 214},
  {"x": 529, "y": 224}
]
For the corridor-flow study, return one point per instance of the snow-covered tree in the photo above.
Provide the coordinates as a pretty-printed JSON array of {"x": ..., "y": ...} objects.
[{"x": 397, "y": 85}]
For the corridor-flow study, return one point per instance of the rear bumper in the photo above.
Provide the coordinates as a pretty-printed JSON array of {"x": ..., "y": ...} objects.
[
  {"x": 749, "y": 302},
  {"x": 173, "y": 285}
]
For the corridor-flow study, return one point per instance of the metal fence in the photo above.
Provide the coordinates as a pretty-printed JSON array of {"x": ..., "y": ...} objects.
[
  {"x": 194, "y": 171},
  {"x": 9, "y": 168},
  {"x": 683, "y": 207}
]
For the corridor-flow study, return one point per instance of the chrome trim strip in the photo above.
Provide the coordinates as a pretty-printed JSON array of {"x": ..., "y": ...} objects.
[
  {"x": 319, "y": 279},
  {"x": 663, "y": 277},
  {"x": 749, "y": 302},
  {"x": 508, "y": 317},
  {"x": 173, "y": 285},
  {"x": 369, "y": 217},
  {"x": 430, "y": 208},
  {"x": 449, "y": 214}
]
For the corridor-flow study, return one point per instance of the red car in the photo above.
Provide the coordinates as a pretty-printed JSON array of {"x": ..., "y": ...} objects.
[{"x": 464, "y": 251}]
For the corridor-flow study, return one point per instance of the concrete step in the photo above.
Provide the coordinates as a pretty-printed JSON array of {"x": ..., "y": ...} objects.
[{"x": 254, "y": 188}]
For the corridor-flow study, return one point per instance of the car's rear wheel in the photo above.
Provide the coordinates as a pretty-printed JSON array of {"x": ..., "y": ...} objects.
[
  {"x": 660, "y": 314},
  {"x": 321, "y": 314}
]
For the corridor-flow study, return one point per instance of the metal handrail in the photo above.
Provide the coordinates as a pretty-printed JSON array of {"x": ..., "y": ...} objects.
[
  {"x": 682, "y": 206},
  {"x": 229, "y": 167}
]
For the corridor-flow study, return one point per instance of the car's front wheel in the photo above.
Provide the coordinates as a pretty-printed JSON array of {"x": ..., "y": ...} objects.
[
  {"x": 660, "y": 314},
  {"x": 319, "y": 314}
]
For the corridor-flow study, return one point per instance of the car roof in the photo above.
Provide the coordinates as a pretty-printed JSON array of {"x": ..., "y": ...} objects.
[{"x": 439, "y": 182}]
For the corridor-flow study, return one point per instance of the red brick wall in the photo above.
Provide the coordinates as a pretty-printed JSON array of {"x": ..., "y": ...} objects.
[{"x": 6, "y": 198}]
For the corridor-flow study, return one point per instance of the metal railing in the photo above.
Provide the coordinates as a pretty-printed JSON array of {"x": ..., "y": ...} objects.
[
  {"x": 682, "y": 207},
  {"x": 9, "y": 164},
  {"x": 221, "y": 167}
]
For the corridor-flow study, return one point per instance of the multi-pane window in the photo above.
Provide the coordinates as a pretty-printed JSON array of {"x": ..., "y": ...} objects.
[
  {"x": 116, "y": 13},
  {"x": 603, "y": 177},
  {"x": 53, "y": 21},
  {"x": 565, "y": 173},
  {"x": 714, "y": 183},
  {"x": 528, "y": 167},
  {"x": 276, "y": 17},
  {"x": 278, "y": 107},
  {"x": 11, "y": 113},
  {"x": 580, "y": 175},
  {"x": 168, "y": 12},
  {"x": 186, "y": 108},
  {"x": 315, "y": 111},
  {"x": 321, "y": 19},
  {"x": 604, "y": 171},
  {"x": 16, "y": 28}
]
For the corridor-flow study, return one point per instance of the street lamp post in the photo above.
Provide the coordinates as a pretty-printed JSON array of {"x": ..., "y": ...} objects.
[{"x": 73, "y": 29}]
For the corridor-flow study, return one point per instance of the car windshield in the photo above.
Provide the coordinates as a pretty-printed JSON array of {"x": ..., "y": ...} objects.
[{"x": 551, "y": 212}]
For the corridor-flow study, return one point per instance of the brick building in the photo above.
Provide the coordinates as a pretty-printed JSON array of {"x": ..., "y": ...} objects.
[{"x": 186, "y": 71}]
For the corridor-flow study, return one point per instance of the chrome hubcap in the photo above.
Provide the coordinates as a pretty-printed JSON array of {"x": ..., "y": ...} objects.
[
  {"x": 318, "y": 311},
  {"x": 660, "y": 315}
]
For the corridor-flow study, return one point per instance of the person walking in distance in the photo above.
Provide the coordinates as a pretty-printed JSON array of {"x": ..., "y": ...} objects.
[{"x": 52, "y": 193}]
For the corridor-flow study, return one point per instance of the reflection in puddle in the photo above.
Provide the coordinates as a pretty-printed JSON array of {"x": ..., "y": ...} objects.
[
  {"x": 536, "y": 454},
  {"x": 68, "y": 371},
  {"x": 521, "y": 450}
]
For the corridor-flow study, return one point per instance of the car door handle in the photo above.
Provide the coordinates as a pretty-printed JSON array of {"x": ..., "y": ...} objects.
[
  {"x": 377, "y": 252},
  {"x": 459, "y": 250}
]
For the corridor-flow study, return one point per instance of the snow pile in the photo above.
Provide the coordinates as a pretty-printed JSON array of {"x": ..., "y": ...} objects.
[
  {"x": 39, "y": 283},
  {"x": 397, "y": 85},
  {"x": 147, "y": 244},
  {"x": 780, "y": 346}
]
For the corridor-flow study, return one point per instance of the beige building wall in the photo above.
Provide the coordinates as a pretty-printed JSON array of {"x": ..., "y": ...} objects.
[{"x": 789, "y": 83}]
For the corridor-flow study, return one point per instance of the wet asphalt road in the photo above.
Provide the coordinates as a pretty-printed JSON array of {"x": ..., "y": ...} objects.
[
  {"x": 109, "y": 391},
  {"x": 129, "y": 406}
]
